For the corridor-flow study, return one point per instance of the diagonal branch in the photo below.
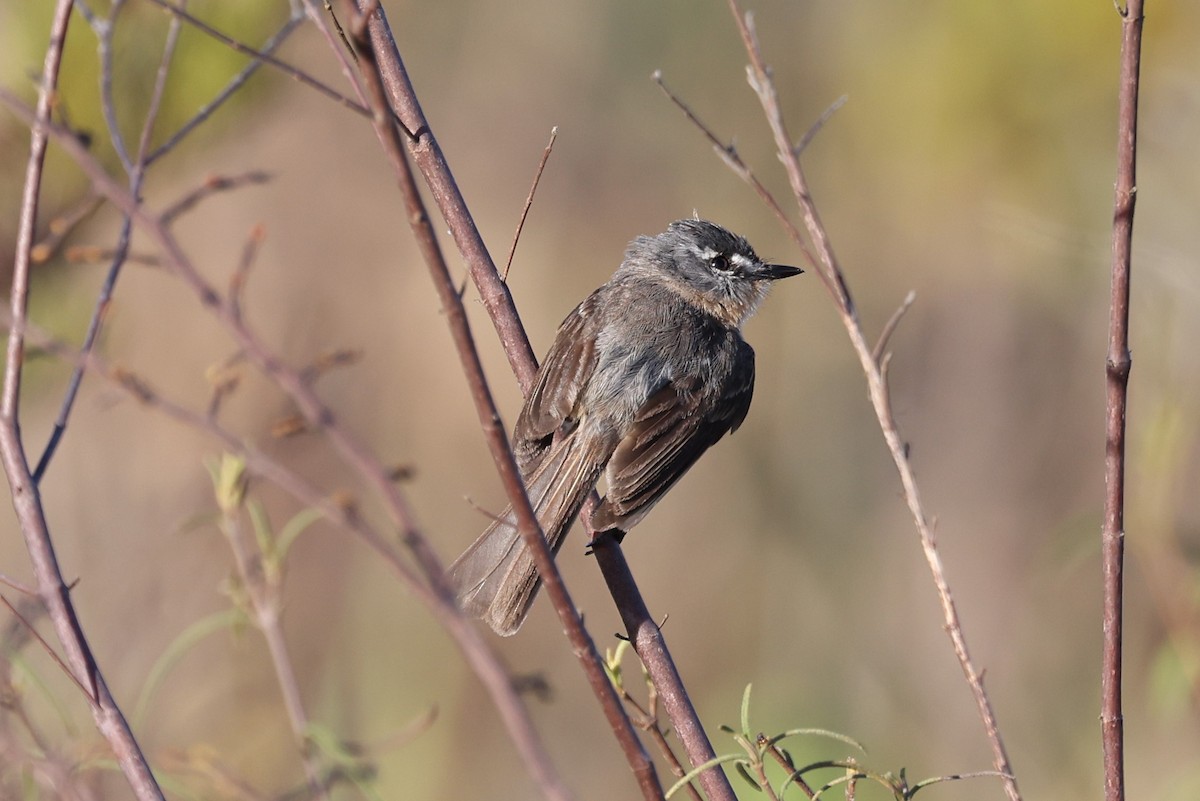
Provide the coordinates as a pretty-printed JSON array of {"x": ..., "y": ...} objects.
[
  {"x": 873, "y": 366},
  {"x": 136, "y": 171},
  {"x": 452, "y": 305}
]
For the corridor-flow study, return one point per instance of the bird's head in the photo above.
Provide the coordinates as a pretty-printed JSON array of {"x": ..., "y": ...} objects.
[{"x": 709, "y": 265}]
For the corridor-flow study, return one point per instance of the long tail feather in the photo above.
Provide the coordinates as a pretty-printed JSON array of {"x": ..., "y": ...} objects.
[{"x": 496, "y": 578}]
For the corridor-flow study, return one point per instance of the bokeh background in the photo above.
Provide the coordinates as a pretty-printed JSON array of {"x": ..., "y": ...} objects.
[{"x": 972, "y": 163}]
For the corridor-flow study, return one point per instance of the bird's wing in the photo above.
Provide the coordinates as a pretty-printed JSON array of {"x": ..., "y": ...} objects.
[
  {"x": 560, "y": 382},
  {"x": 675, "y": 426}
]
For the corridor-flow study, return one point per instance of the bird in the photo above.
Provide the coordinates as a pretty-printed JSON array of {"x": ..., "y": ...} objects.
[{"x": 643, "y": 376}]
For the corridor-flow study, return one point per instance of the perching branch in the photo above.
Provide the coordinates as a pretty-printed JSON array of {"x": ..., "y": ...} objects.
[
  {"x": 427, "y": 156},
  {"x": 452, "y": 305}
]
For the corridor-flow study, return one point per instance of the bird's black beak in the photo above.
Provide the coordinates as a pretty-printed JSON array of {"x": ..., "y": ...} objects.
[{"x": 774, "y": 272}]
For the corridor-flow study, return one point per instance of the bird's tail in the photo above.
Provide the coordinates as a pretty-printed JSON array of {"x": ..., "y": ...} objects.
[{"x": 496, "y": 579}]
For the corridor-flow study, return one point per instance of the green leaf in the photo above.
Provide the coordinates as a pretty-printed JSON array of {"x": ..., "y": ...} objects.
[
  {"x": 746, "y": 712},
  {"x": 745, "y": 774},
  {"x": 833, "y": 735},
  {"x": 696, "y": 771},
  {"x": 293, "y": 529},
  {"x": 179, "y": 648}
]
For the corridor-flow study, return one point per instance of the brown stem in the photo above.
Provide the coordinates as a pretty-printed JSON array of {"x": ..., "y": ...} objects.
[
  {"x": 874, "y": 369},
  {"x": 646, "y": 637},
  {"x": 265, "y": 605},
  {"x": 427, "y": 155},
  {"x": 27, "y": 502},
  {"x": 1112, "y": 726}
]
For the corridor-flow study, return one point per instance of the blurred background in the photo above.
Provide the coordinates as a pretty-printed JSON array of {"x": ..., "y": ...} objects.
[{"x": 972, "y": 162}]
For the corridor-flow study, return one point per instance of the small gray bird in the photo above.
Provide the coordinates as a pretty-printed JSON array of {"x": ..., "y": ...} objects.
[{"x": 643, "y": 376}]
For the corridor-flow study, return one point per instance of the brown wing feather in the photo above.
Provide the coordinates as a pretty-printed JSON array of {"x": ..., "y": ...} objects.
[
  {"x": 671, "y": 431},
  {"x": 555, "y": 394}
]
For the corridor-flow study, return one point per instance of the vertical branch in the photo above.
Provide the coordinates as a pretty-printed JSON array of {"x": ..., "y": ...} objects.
[
  {"x": 1117, "y": 385},
  {"x": 27, "y": 503},
  {"x": 261, "y": 576}
]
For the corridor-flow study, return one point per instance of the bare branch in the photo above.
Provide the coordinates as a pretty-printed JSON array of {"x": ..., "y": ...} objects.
[
  {"x": 212, "y": 185},
  {"x": 537, "y": 177},
  {"x": 427, "y": 155},
  {"x": 761, "y": 81},
  {"x": 266, "y": 58},
  {"x": 62, "y": 227},
  {"x": 1117, "y": 369},
  {"x": 890, "y": 327},
  {"x": 728, "y": 154},
  {"x": 237, "y": 281},
  {"x": 272, "y": 44},
  {"x": 27, "y": 503},
  {"x": 816, "y": 127},
  {"x": 452, "y": 306},
  {"x": 87, "y": 692},
  {"x": 136, "y": 171}
]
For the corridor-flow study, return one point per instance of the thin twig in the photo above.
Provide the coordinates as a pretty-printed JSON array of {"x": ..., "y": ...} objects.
[
  {"x": 1117, "y": 369},
  {"x": 27, "y": 504},
  {"x": 816, "y": 127},
  {"x": 104, "y": 30},
  {"x": 427, "y": 155},
  {"x": 270, "y": 46},
  {"x": 889, "y": 328},
  {"x": 212, "y": 185},
  {"x": 266, "y": 58},
  {"x": 646, "y": 637},
  {"x": 97, "y": 254},
  {"x": 136, "y": 172},
  {"x": 237, "y": 281},
  {"x": 62, "y": 227},
  {"x": 48, "y": 649},
  {"x": 20, "y": 587},
  {"x": 537, "y": 177}
]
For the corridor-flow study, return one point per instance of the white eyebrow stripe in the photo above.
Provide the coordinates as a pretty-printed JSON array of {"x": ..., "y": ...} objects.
[
  {"x": 741, "y": 260},
  {"x": 706, "y": 254}
]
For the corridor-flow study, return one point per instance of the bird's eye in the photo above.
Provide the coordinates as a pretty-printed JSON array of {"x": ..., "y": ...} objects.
[{"x": 720, "y": 262}]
